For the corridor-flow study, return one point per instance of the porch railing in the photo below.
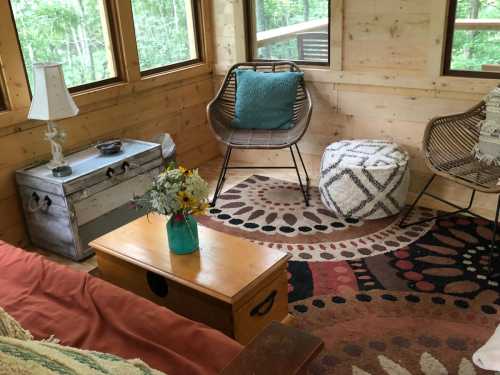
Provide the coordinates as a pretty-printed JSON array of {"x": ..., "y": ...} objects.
[
  {"x": 267, "y": 37},
  {"x": 481, "y": 25}
]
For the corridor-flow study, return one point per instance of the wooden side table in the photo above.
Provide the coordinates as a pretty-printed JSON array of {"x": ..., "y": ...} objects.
[
  {"x": 230, "y": 284},
  {"x": 63, "y": 214}
]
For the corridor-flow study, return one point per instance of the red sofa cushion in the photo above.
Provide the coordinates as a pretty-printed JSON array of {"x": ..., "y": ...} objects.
[{"x": 89, "y": 313}]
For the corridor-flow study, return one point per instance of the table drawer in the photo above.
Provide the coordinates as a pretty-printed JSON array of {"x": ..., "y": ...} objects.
[{"x": 268, "y": 304}]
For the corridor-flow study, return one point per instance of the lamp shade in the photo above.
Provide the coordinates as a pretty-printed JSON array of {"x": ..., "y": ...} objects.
[{"x": 51, "y": 100}]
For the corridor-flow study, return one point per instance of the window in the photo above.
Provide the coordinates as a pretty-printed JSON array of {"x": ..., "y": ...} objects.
[
  {"x": 297, "y": 30},
  {"x": 473, "y": 40},
  {"x": 166, "y": 33},
  {"x": 74, "y": 33}
]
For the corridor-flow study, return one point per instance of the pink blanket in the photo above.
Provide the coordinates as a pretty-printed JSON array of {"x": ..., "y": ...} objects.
[{"x": 89, "y": 313}]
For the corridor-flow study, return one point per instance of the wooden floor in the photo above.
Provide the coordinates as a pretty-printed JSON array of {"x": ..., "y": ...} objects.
[{"x": 209, "y": 171}]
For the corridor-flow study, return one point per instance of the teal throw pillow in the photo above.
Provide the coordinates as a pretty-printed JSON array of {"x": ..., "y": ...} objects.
[{"x": 265, "y": 100}]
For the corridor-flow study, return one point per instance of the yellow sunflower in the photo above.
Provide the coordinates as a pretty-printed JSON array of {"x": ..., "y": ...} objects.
[
  {"x": 186, "y": 200},
  {"x": 185, "y": 171},
  {"x": 201, "y": 209}
]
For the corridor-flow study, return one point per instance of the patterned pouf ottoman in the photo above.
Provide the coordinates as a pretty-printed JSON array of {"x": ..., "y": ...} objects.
[{"x": 364, "y": 179}]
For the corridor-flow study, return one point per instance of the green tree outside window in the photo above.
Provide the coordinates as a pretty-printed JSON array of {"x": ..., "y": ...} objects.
[
  {"x": 72, "y": 32},
  {"x": 474, "y": 48},
  {"x": 164, "y": 31}
]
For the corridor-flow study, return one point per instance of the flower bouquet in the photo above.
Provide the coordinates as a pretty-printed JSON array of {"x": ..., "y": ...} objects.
[{"x": 179, "y": 193}]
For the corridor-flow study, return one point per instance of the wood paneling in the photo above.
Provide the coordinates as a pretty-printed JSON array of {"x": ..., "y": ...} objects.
[
  {"x": 388, "y": 84},
  {"x": 138, "y": 107},
  {"x": 176, "y": 110}
]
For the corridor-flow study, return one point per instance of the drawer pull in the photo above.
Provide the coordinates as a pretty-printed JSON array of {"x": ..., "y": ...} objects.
[
  {"x": 157, "y": 284},
  {"x": 265, "y": 306},
  {"x": 110, "y": 172}
]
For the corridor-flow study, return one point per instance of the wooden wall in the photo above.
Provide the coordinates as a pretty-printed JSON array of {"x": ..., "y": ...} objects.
[
  {"x": 384, "y": 83},
  {"x": 137, "y": 107},
  {"x": 178, "y": 110},
  {"x": 385, "y": 80}
]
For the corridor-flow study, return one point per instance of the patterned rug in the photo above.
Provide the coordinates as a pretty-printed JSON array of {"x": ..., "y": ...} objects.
[{"x": 385, "y": 300}]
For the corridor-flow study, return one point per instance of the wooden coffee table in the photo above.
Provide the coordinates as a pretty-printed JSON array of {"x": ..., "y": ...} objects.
[{"x": 231, "y": 284}]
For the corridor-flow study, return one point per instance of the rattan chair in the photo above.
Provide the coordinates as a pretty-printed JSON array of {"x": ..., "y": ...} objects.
[
  {"x": 448, "y": 146},
  {"x": 221, "y": 110}
]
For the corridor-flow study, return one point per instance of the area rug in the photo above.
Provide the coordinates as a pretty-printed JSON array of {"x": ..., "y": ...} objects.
[{"x": 385, "y": 300}]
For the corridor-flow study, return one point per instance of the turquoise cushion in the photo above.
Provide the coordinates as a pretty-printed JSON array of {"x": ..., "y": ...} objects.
[{"x": 265, "y": 100}]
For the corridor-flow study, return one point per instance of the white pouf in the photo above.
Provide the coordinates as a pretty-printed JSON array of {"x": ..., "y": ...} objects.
[{"x": 364, "y": 179}]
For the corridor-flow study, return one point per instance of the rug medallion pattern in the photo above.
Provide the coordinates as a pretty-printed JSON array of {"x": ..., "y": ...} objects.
[{"x": 385, "y": 300}]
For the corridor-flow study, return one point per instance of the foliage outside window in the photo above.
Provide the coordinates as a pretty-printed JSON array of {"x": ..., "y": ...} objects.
[
  {"x": 473, "y": 45},
  {"x": 166, "y": 33},
  {"x": 72, "y": 32},
  {"x": 296, "y": 30}
]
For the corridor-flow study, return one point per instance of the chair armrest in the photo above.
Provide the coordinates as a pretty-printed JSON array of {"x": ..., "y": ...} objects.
[
  {"x": 456, "y": 130},
  {"x": 277, "y": 350}
]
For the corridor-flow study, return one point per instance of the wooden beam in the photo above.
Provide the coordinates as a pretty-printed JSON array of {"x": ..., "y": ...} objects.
[
  {"x": 108, "y": 36},
  {"x": 128, "y": 44},
  {"x": 191, "y": 29},
  {"x": 11, "y": 63},
  {"x": 491, "y": 68},
  {"x": 477, "y": 24},
  {"x": 337, "y": 35},
  {"x": 206, "y": 30},
  {"x": 287, "y": 32},
  {"x": 437, "y": 38}
]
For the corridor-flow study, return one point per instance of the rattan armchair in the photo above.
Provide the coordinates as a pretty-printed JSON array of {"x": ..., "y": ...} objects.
[
  {"x": 221, "y": 111},
  {"x": 448, "y": 148}
]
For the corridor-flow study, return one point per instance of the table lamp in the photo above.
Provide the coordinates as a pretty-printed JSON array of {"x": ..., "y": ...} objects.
[{"x": 52, "y": 101}]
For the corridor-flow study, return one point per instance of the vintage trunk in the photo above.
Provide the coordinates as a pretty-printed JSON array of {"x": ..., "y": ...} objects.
[{"x": 64, "y": 214}]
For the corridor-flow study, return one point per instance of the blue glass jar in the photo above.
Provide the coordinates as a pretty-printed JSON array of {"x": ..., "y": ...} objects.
[{"x": 182, "y": 233}]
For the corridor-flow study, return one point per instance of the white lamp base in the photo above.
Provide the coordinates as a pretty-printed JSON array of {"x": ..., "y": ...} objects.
[{"x": 55, "y": 137}]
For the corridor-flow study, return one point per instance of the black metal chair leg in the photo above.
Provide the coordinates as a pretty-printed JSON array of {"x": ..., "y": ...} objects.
[
  {"x": 460, "y": 210},
  {"x": 420, "y": 195},
  {"x": 493, "y": 245},
  {"x": 304, "y": 192},
  {"x": 308, "y": 180},
  {"x": 302, "y": 161},
  {"x": 471, "y": 200},
  {"x": 222, "y": 176}
]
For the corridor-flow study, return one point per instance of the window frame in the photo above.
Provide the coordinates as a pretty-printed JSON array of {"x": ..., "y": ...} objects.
[
  {"x": 116, "y": 47},
  {"x": 448, "y": 50},
  {"x": 250, "y": 40},
  {"x": 198, "y": 26},
  {"x": 3, "y": 104}
]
